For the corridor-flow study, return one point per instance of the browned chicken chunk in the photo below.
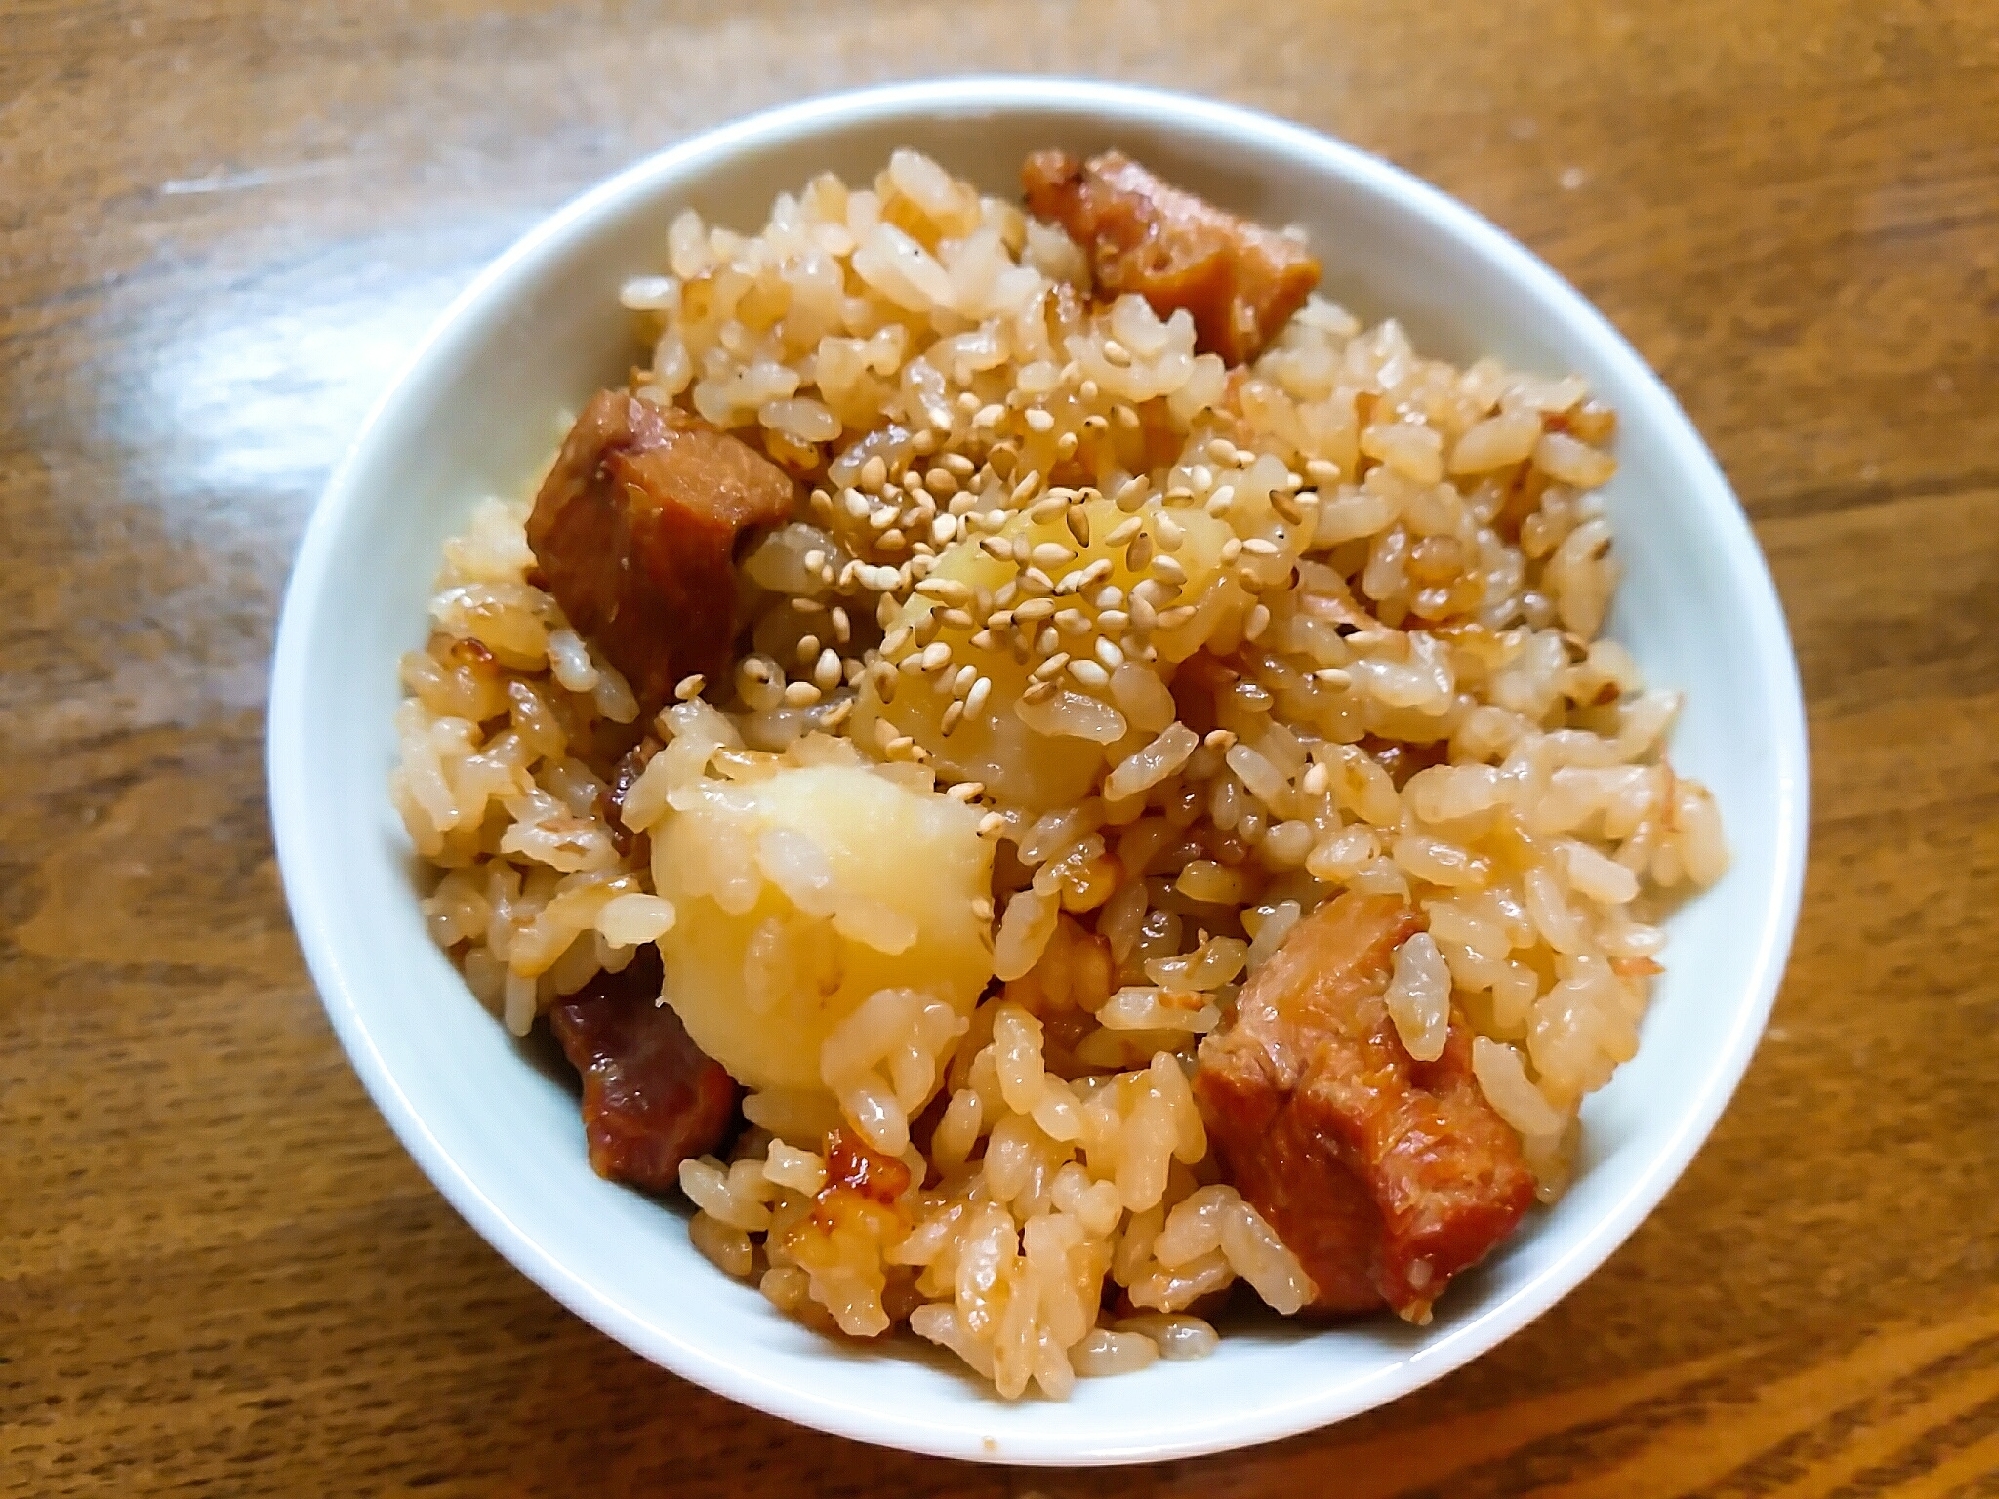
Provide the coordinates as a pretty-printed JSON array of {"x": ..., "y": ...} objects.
[
  {"x": 636, "y": 530},
  {"x": 1384, "y": 1175},
  {"x": 651, "y": 1099},
  {"x": 1239, "y": 280}
]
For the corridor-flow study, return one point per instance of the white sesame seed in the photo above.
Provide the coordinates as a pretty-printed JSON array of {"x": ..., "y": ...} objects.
[
  {"x": 958, "y": 463},
  {"x": 1113, "y": 622},
  {"x": 936, "y": 656},
  {"x": 1039, "y": 692},
  {"x": 837, "y": 715},
  {"x": 1173, "y": 618},
  {"x": 1066, "y": 445},
  {"x": 1144, "y": 618},
  {"x": 992, "y": 825},
  {"x": 966, "y": 791},
  {"x": 1138, "y": 556},
  {"x": 1132, "y": 493},
  {"x": 954, "y": 712},
  {"x": 955, "y": 619},
  {"x": 1079, "y": 524},
  {"x": 1222, "y": 450},
  {"x": 1072, "y": 621},
  {"x": 1124, "y": 531},
  {"x": 1052, "y": 554},
  {"x": 1115, "y": 353},
  {"x": 943, "y": 531},
  {"x": 1087, "y": 390},
  {"x": 1045, "y": 510},
  {"x": 1052, "y": 667},
  {"x": 989, "y": 416},
  {"x": 1089, "y": 675},
  {"x": 1257, "y": 623},
  {"x": 808, "y": 649},
  {"x": 814, "y": 560},
  {"x": 1231, "y": 549},
  {"x": 1124, "y": 416},
  {"x": 689, "y": 687},
  {"x": 851, "y": 671},
  {"x": 855, "y": 503},
  {"x": 1220, "y": 739},
  {"x": 1256, "y": 546},
  {"x": 843, "y": 629},
  {"x": 1221, "y": 501},
  {"x": 975, "y": 700},
  {"x": 801, "y": 694},
  {"x": 1034, "y": 609},
  {"x": 1171, "y": 571},
  {"x": 1323, "y": 470},
  {"x": 1033, "y": 580},
  {"x": 1048, "y": 641},
  {"x": 962, "y": 680},
  {"x": 1332, "y": 676},
  {"x": 1040, "y": 420},
  {"x": 826, "y": 672}
]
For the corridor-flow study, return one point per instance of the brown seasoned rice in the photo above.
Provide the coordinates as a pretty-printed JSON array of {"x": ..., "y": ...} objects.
[{"x": 1025, "y": 513}]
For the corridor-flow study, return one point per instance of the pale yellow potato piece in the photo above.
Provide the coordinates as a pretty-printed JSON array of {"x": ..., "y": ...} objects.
[
  {"x": 995, "y": 747},
  {"x": 801, "y": 894}
]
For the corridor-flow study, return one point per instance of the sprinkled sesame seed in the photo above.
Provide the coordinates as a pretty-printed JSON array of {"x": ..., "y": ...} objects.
[
  {"x": 1201, "y": 477},
  {"x": 1066, "y": 445},
  {"x": 936, "y": 656},
  {"x": 851, "y": 671},
  {"x": 826, "y": 671},
  {"x": 837, "y": 715},
  {"x": 966, "y": 791},
  {"x": 1171, "y": 571},
  {"x": 1115, "y": 353},
  {"x": 982, "y": 640},
  {"x": 1222, "y": 450},
  {"x": 1106, "y": 651},
  {"x": 899, "y": 747},
  {"x": 962, "y": 680},
  {"x": 1221, "y": 501},
  {"x": 952, "y": 714},
  {"x": 885, "y": 733},
  {"x": 1132, "y": 493},
  {"x": 801, "y": 694},
  {"x": 757, "y": 669},
  {"x": 958, "y": 463},
  {"x": 990, "y": 826},
  {"x": 975, "y": 700},
  {"x": 1079, "y": 524},
  {"x": 874, "y": 473},
  {"x": 689, "y": 687},
  {"x": 1332, "y": 676},
  {"x": 1124, "y": 416},
  {"x": 943, "y": 531},
  {"x": 891, "y": 540},
  {"x": 1257, "y": 623},
  {"x": 843, "y": 629},
  {"x": 1045, "y": 510},
  {"x": 1175, "y": 617},
  {"x": 1039, "y": 692},
  {"x": 886, "y": 610},
  {"x": 1287, "y": 506},
  {"x": 1090, "y": 675},
  {"x": 1231, "y": 549},
  {"x": 808, "y": 649},
  {"x": 989, "y": 416},
  {"x": 1317, "y": 779},
  {"x": 1138, "y": 556},
  {"x": 950, "y": 590},
  {"x": 968, "y": 402},
  {"x": 1170, "y": 533},
  {"x": 1087, "y": 390},
  {"x": 1052, "y": 667},
  {"x": 1052, "y": 554},
  {"x": 1113, "y": 621},
  {"x": 1048, "y": 641},
  {"x": 1071, "y": 621},
  {"x": 1220, "y": 739},
  {"x": 1034, "y": 580},
  {"x": 1109, "y": 598},
  {"x": 1040, "y": 420},
  {"x": 1256, "y": 546},
  {"x": 1034, "y": 609},
  {"x": 955, "y": 619},
  {"x": 1323, "y": 470},
  {"x": 1124, "y": 531}
]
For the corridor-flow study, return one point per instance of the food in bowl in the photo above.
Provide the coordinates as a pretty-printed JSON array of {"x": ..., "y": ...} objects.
[{"x": 1040, "y": 771}]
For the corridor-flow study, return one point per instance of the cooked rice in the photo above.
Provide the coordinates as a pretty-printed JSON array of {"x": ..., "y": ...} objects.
[{"x": 1024, "y": 510}]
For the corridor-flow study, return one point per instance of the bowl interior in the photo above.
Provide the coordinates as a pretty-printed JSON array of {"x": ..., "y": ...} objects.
[{"x": 478, "y": 412}]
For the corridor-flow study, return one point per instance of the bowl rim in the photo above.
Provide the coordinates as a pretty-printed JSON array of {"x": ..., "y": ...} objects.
[{"x": 305, "y": 882}]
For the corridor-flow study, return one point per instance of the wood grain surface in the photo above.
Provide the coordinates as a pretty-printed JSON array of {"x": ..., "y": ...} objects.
[{"x": 221, "y": 226}]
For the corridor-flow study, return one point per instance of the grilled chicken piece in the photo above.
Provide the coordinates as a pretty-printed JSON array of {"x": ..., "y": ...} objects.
[
  {"x": 1239, "y": 280},
  {"x": 636, "y": 529},
  {"x": 1384, "y": 1175},
  {"x": 650, "y": 1098}
]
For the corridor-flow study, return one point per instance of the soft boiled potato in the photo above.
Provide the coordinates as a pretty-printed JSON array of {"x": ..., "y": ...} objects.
[
  {"x": 1046, "y": 754},
  {"x": 801, "y": 890}
]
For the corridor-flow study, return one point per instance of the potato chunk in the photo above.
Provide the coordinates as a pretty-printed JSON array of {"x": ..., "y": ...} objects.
[{"x": 806, "y": 890}]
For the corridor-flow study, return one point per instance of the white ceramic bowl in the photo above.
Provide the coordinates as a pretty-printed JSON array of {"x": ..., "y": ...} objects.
[{"x": 474, "y": 414}]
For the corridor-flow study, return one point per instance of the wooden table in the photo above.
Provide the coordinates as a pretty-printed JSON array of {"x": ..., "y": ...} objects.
[{"x": 222, "y": 225}]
